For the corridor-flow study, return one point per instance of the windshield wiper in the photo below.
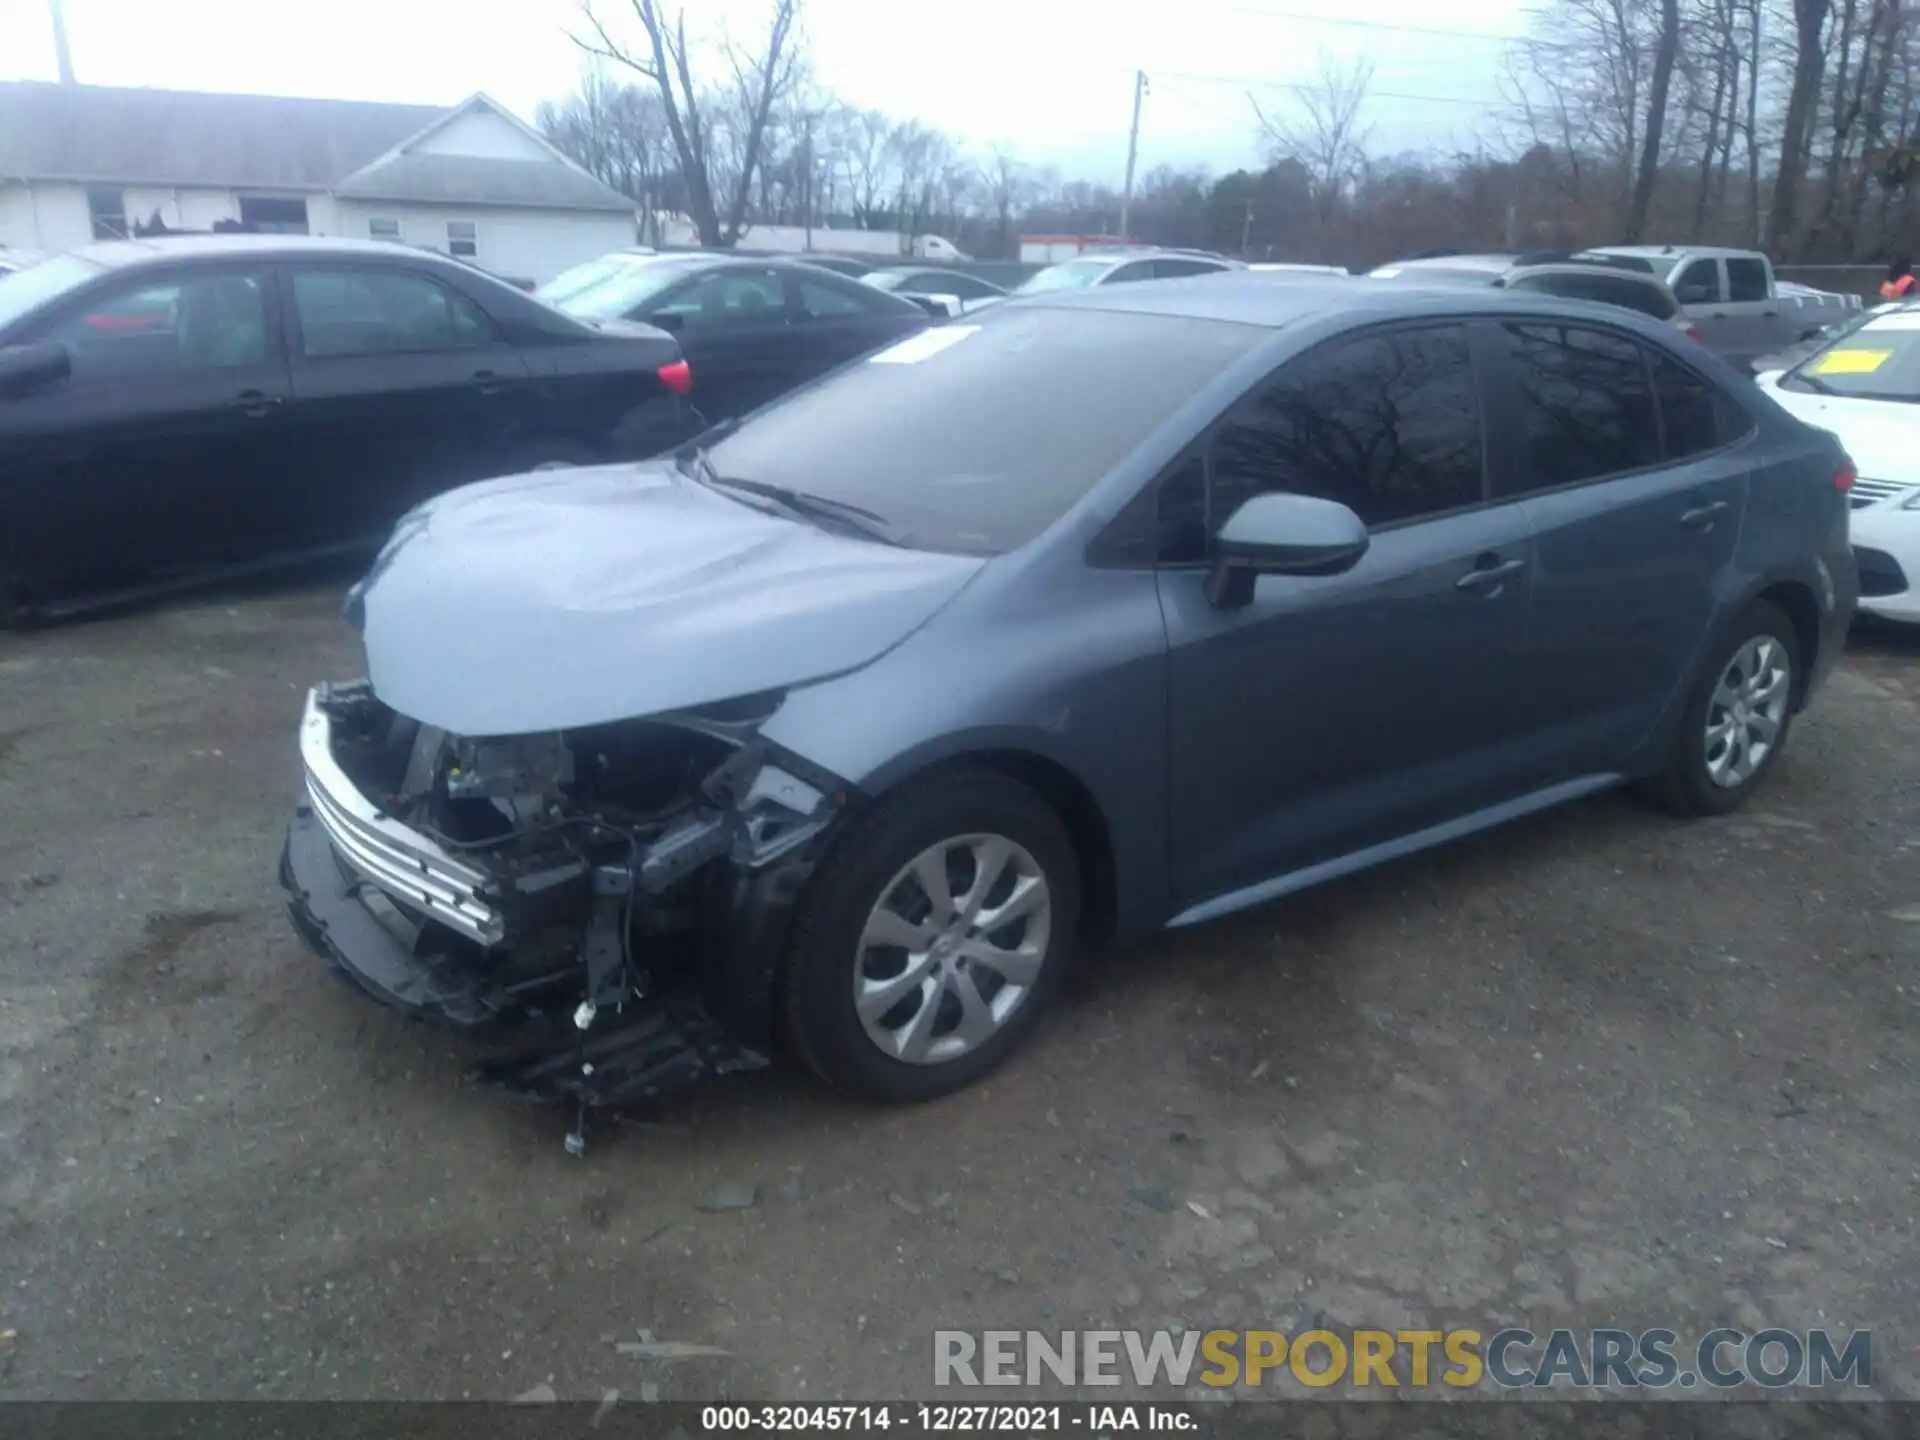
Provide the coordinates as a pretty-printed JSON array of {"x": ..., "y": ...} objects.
[{"x": 816, "y": 508}]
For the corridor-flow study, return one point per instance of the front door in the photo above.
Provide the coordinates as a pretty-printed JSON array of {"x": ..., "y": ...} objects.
[
  {"x": 839, "y": 320},
  {"x": 1700, "y": 285},
  {"x": 1620, "y": 456},
  {"x": 402, "y": 388},
  {"x": 734, "y": 328},
  {"x": 152, "y": 458},
  {"x": 1335, "y": 713}
]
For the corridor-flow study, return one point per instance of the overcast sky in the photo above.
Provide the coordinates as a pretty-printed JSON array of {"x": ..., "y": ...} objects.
[{"x": 1049, "y": 80}]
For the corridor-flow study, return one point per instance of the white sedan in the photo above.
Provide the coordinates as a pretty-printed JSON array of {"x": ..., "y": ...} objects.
[{"x": 1865, "y": 388}]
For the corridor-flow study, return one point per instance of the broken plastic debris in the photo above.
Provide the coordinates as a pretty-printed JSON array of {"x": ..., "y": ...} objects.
[{"x": 666, "y": 1350}]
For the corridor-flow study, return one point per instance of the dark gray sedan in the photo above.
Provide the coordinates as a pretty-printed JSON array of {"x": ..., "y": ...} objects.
[{"x": 1092, "y": 615}]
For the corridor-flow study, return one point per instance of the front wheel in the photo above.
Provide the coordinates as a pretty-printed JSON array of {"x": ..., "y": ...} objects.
[
  {"x": 1737, "y": 717},
  {"x": 932, "y": 938}
]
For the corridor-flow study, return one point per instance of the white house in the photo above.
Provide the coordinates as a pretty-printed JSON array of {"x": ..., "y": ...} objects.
[{"x": 80, "y": 163}]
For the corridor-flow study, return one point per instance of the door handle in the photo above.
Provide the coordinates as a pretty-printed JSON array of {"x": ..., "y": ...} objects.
[
  {"x": 1487, "y": 577},
  {"x": 1701, "y": 517},
  {"x": 486, "y": 381},
  {"x": 255, "y": 404}
]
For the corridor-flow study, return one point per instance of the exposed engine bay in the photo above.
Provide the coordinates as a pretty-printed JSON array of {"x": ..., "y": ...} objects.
[{"x": 574, "y": 879}]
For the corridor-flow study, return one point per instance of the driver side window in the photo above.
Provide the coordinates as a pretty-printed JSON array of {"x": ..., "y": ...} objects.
[
  {"x": 1699, "y": 283},
  {"x": 728, "y": 300},
  {"x": 1387, "y": 424}
]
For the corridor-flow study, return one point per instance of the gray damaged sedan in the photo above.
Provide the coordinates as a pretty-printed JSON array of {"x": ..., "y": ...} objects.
[{"x": 1100, "y": 613}]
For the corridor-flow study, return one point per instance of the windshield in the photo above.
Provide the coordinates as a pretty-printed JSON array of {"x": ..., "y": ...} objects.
[
  {"x": 619, "y": 293},
  {"x": 580, "y": 277},
  {"x": 1068, "y": 275},
  {"x": 977, "y": 437},
  {"x": 1879, "y": 361},
  {"x": 27, "y": 290}
]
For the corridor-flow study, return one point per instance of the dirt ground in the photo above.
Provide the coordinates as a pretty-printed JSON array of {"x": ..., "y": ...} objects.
[{"x": 1599, "y": 1068}]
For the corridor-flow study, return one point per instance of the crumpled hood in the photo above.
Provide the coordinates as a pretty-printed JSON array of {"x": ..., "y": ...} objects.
[
  {"x": 1881, "y": 436},
  {"x": 579, "y": 597}
]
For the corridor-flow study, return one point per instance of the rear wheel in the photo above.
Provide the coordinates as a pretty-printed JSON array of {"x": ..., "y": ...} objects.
[
  {"x": 1737, "y": 717},
  {"x": 929, "y": 945}
]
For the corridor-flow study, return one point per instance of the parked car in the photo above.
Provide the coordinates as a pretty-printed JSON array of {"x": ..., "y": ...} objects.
[
  {"x": 175, "y": 408},
  {"x": 840, "y": 264},
  {"x": 1788, "y": 358},
  {"x": 1123, "y": 265},
  {"x": 1568, "y": 276},
  {"x": 579, "y": 277},
  {"x": 1296, "y": 268},
  {"x": 953, "y": 292},
  {"x": 1864, "y": 386},
  {"x": 1100, "y": 613},
  {"x": 751, "y": 329},
  {"x": 1730, "y": 294}
]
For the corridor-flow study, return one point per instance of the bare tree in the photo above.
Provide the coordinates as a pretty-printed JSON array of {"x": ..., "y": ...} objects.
[
  {"x": 1327, "y": 136},
  {"x": 1796, "y": 131},
  {"x": 1008, "y": 186},
  {"x": 1666, "y": 51},
  {"x": 758, "y": 78}
]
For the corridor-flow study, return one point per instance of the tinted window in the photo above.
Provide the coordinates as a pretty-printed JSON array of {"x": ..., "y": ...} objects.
[
  {"x": 207, "y": 322},
  {"x": 1702, "y": 273},
  {"x": 1586, "y": 405},
  {"x": 1689, "y": 409},
  {"x": 1605, "y": 289},
  {"x": 1167, "y": 269},
  {"x": 968, "y": 288},
  {"x": 978, "y": 436},
  {"x": 1388, "y": 425},
  {"x": 1746, "y": 279},
  {"x": 376, "y": 312},
  {"x": 1138, "y": 270},
  {"x": 823, "y": 300},
  {"x": 721, "y": 300}
]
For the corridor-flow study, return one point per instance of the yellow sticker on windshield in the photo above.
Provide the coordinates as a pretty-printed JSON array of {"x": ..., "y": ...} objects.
[{"x": 1851, "y": 362}]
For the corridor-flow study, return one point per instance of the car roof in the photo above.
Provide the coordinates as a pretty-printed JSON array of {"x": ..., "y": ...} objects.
[
  {"x": 1488, "y": 262},
  {"x": 117, "y": 254},
  {"x": 1272, "y": 300}
]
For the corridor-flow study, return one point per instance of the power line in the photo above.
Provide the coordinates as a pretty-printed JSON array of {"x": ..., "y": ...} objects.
[
  {"x": 1386, "y": 25},
  {"x": 1253, "y": 83}
]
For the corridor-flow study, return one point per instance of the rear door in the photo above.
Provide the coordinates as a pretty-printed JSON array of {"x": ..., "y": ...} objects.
[
  {"x": 403, "y": 387},
  {"x": 837, "y": 320},
  {"x": 148, "y": 460},
  {"x": 1617, "y": 453},
  {"x": 1334, "y": 713},
  {"x": 1754, "y": 323}
]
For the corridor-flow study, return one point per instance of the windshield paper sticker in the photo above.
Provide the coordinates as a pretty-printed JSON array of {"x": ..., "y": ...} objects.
[
  {"x": 916, "y": 348},
  {"x": 1851, "y": 362}
]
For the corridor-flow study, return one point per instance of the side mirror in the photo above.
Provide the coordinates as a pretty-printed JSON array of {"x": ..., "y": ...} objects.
[
  {"x": 25, "y": 369},
  {"x": 1281, "y": 534},
  {"x": 1694, "y": 294}
]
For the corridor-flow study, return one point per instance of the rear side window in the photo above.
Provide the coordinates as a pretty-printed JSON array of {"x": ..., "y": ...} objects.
[
  {"x": 1690, "y": 409},
  {"x": 1586, "y": 405},
  {"x": 380, "y": 312},
  {"x": 1169, "y": 267},
  {"x": 1746, "y": 279},
  {"x": 1386, "y": 424}
]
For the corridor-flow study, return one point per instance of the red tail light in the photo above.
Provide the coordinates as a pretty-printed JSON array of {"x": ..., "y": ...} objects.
[
  {"x": 1844, "y": 477},
  {"x": 677, "y": 377}
]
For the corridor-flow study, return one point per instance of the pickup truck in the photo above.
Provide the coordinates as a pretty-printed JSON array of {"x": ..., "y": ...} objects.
[{"x": 1730, "y": 295}]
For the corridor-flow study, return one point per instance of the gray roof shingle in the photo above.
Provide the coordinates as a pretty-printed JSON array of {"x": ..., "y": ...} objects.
[
  {"x": 182, "y": 137},
  {"x": 269, "y": 142},
  {"x": 475, "y": 180}
]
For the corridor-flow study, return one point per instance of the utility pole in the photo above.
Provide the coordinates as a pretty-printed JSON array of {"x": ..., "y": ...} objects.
[
  {"x": 1246, "y": 230},
  {"x": 1133, "y": 149},
  {"x": 62, "y": 55}
]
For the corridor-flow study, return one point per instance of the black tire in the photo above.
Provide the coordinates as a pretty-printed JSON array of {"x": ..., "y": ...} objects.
[
  {"x": 817, "y": 992},
  {"x": 1686, "y": 786}
]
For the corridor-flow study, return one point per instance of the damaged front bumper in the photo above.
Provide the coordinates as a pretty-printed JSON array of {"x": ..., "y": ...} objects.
[{"x": 639, "y": 949}]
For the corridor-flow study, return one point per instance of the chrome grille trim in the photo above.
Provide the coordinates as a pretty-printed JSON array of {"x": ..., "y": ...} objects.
[{"x": 409, "y": 868}]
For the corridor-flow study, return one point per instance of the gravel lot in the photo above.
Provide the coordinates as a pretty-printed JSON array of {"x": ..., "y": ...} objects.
[{"x": 1600, "y": 1068}]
